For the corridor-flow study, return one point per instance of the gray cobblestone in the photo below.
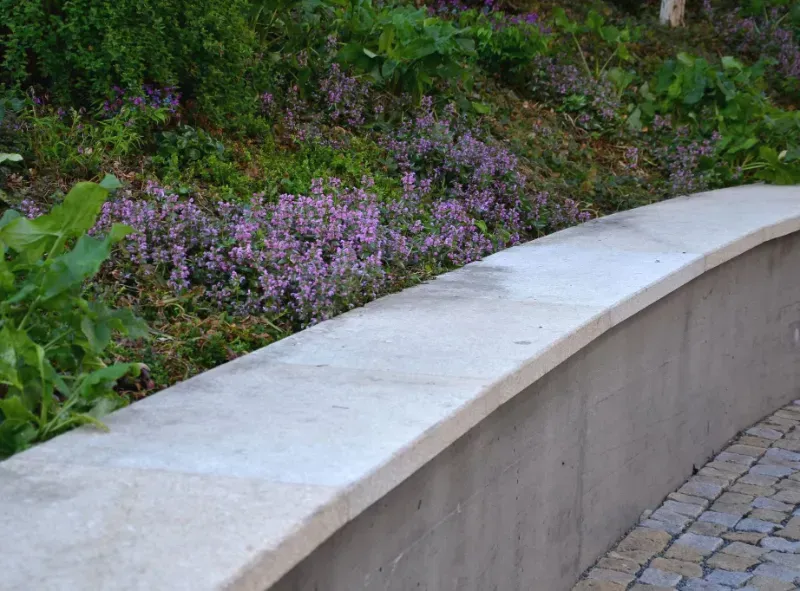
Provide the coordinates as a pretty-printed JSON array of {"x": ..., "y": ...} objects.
[
  {"x": 721, "y": 518},
  {"x": 771, "y": 470},
  {"x": 764, "y": 433},
  {"x": 776, "y": 571},
  {"x": 729, "y": 578},
  {"x": 758, "y": 525},
  {"x": 662, "y": 578},
  {"x": 736, "y": 458},
  {"x": 722, "y": 529},
  {"x": 705, "y": 490},
  {"x": 701, "y": 585},
  {"x": 768, "y": 503},
  {"x": 790, "y": 560},
  {"x": 780, "y": 544},
  {"x": 703, "y": 544},
  {"x": 742, "y": 549}
]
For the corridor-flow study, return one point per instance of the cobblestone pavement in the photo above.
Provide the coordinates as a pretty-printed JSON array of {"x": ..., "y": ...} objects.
[{"x": 734, "y": 525}]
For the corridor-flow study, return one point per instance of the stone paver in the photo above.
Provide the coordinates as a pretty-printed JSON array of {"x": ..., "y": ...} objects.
[{"x": 735, "y": 524}]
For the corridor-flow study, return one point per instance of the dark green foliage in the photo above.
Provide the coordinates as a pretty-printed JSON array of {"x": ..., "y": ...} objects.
[
  {"x": 504, "y": 44},
  {"x": 52, "y": 338},
  {"x": 728, "y": 100},
  {"x": 403, "y": 48},
  {"x": 80, "y": 49}
]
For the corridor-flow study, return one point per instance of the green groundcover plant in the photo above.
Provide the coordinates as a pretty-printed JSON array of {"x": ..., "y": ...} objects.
[{"x": 52, "y": 337}]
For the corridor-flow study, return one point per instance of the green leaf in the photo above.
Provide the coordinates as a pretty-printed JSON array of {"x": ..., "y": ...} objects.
[
  {"x": 18, "y": 429},
  {"x": 635, "y": 119},
  {"x": 101, "y": 381},
  {"x": 74, "y": 216},
  {"x": 594, "y": 21},
  {"x": 9, "y": 157},
  {"x": 8, "y": 360},
  {"x": 8, "y": 216},
  {"x": 388, "y": 68},
  {"x": 696, "y": 88},
  {"x": 481, "y": 108},
  {"x": 14, "y": 409},
  {"x": 110, "y": 182},
  {"x": 731, "y": 63},
  {"x": 70, "y": 270},
  {"x": 80, "y": 208}
]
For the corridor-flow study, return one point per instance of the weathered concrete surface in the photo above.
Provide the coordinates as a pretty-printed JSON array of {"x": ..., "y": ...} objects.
[
  {"x": 422, "y": 413},
  {"x": 538, "y": 491}
]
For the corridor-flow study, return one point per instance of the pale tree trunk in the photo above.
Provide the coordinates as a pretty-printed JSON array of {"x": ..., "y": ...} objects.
[{"x": 672, "y": 12}]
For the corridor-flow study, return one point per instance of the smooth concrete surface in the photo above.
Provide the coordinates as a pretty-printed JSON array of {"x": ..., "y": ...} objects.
[{"x": 497, "y": 428}]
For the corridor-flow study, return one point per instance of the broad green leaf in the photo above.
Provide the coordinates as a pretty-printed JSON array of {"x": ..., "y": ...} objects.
[
  {"x": 78, "y": 213},
  {"x": 481, "y": 108},
  {"x": 18, "y": 429},
  {"x": 594, "y": 21},
  {"x": 9, "y": 157},
  {"x": 467, "y": 45},
  {"x": 731, "y": 63},
  {"x": 6, "y": 276},
  {"x": 388, "y": 68},
  {"x": 635, "y": 120},
  {"x": 80, "y": 208},
  {"x": 82, "y": 262},
  {"x": 8, "y": 360},
  {"x": 102, "y": 380},
  {"x": 696, "y": 88},
  {"x": 110, "y": 182},
  {"x": 14, "y": 409},
  {"x": 98, "y": 334},
  {"x": 8, "y": 216},
  {"x": 769, "y": 154}
]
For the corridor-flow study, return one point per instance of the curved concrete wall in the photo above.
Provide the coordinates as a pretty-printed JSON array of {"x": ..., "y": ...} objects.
[
  {"x": 497, "y": 428},
  {"x": 540, "y": 489}
]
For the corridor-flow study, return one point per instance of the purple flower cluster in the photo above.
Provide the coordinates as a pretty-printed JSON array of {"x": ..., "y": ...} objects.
[
  {"x": 310, "y": 257},
  {"x": 682, "y": 161},
  {"x": 759, "y": 36},
  {"x": 340, "y": 100},
  {"x": 149, "y": 97},
  {"x": 445, "y": 7},
  {"x": 564, "y": 83},
  {"x": 345, "y": 97},
  {"x": 481, "y": 177}
]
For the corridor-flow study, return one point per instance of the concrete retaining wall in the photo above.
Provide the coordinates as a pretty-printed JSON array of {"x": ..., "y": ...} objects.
[
  {"x": 497, "y": 428},
  {"x": 540, "y": 489}
]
